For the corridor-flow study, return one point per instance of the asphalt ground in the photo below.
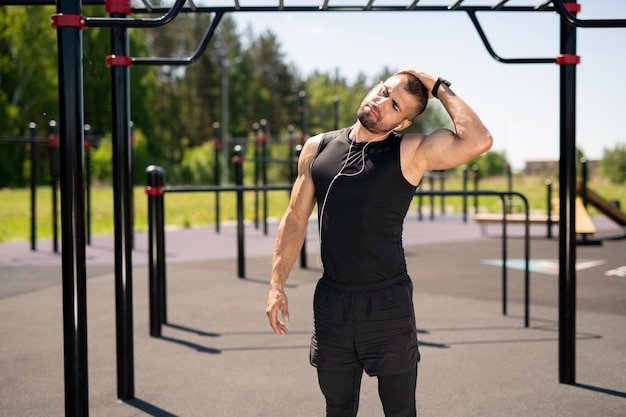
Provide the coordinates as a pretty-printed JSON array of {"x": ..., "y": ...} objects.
[{"x": 218, "y": 356}]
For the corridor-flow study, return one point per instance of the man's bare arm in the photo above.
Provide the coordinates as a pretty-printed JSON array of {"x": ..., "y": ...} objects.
[
  {"x": 444, "y": 148},
  {"x": 290, "y": 236}
]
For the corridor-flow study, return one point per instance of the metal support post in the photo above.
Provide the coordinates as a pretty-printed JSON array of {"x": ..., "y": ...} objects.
[
  {"x": 88, "y": 147},
  {"x": 257, "y": 171},
  {"x": 156, "y": 248},
  {"x": 549, "y": 207},
  {"x": 567, "y": 213},
  {"x": 238, "y": 162},
  {"x": 264, "y": 138},
  {"x": 217, "y": 146},
  {"x": 464, "y": 173},
  {"x": 120, "y": 62},
  {"x": 33, "y": 186},
  {"x": 53, "y": 144},
  {"x": 69, "y": 24}
]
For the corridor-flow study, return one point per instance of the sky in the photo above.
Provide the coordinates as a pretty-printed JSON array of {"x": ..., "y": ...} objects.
[{"x": 519, "y": 103}]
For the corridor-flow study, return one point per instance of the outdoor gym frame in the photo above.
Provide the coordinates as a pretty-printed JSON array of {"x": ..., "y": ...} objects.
[{"x": 70, "y": 22}]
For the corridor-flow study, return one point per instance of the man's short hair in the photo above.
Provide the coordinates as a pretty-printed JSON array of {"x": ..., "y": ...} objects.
[{"x": 415, "y": 87}]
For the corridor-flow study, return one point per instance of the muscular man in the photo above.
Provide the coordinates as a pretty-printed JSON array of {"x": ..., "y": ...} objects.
[{"x": 363, "y": 178}]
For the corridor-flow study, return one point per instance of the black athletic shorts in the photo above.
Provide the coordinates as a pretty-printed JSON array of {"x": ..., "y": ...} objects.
[{"x": 370, "y": 329}]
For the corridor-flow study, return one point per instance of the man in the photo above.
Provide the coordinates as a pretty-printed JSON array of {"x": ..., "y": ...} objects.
[{"x": 363, "y": 179}]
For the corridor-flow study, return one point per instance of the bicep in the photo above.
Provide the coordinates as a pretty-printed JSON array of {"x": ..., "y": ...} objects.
[
  {"x": 302, "y": 198},
  {"x": 443, "y": 149}
]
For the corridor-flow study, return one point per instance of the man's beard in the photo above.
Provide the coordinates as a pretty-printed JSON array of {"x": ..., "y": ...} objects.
[{"x": 370, "y": 124}]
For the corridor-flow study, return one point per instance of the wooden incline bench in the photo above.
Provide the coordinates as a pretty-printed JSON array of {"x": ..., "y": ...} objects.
[{"x": 584, "y": 225}]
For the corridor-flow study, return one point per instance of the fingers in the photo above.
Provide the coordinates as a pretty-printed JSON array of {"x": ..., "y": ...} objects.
[
  {"x": 277, "y": 303},
  {"x": 428, "y": 81},
  {"x": 279, "y": 327}
]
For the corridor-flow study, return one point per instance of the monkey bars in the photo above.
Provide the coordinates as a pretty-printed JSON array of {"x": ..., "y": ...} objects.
[{"x": 70, "y": 53}]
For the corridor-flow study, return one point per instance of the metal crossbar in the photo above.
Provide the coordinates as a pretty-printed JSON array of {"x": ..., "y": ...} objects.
[{"x": 330, "y": 6}]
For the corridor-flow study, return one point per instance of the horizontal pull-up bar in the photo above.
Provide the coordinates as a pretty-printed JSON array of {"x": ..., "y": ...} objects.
[
  {"x": 567, "y": 16},
  {"x": 169, "y": 15}
]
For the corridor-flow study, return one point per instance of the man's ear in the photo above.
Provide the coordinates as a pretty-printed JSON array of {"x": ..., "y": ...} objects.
[{"x": 403, "y": 125}]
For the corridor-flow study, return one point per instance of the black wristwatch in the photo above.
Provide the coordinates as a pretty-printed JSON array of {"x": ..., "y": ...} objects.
[{"x": 438, "y": 83}]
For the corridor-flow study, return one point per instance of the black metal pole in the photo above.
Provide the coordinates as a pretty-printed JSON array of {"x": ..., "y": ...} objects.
[
  {"x": 583, "y": 194},
  {"x": 420, "y": 201},
  {"x": 336, "y": 112},
  {"x": 526, "y": 263},
  {"x": 131, "y": 179},
  {"x": 549, "y": 207},
  {"x": 122, "y": 210},
  {"x": 238, "y": 162},
  {"x": 509, "y": 176},
  {"x": 431, "y": 183},
  {"x": 303, "y": 260},
  {"x": 303, "y": 109},
  {"x": 502, "y": 195},
  {"x": 476, "y": 175},
  {"x": 442, "y": 187},
  {"x": 567, "y": 218},
  {"x": 291, "y": 153},
  {"x": 156, "y": 248},
  {"x": 69, "y": 24},
  {"x": 257, "y": 172},
  {"x": 264, "y": 139},
  {"x": 33, "y": 186},
  {"x": 464, "y": 173},
  {"x": 304, "y": 129},
  {"x": 584, "y": 173},
  {"x": 504, "y": 256},
  {"x": 53, "y": 144},
  {"x": 217, "y": 146},
  {"x": 88, "y": 147}
]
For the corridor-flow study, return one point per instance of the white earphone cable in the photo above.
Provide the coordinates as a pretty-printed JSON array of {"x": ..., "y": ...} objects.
[{"x": 339, "y": 174}]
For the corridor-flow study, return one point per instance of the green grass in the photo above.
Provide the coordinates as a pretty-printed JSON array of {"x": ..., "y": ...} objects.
[{"x": 198, "y": 209}]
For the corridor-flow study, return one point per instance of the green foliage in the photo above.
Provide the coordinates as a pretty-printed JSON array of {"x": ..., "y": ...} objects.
[
  {"x": 198, "y": 209},
  {"x": 241, "y": 78},
  {"x": 102, "y": 161},
  {"x": 490, "y": 164},
  {"x": 613, "y": 164},
  {"x": 197, "y": 166},
  {"x": 28, "y": 84}
]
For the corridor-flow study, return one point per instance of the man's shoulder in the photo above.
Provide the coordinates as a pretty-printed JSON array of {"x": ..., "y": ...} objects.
[
  {"x": 412, "y": 140},
  {"x": 319, "y": 141}
]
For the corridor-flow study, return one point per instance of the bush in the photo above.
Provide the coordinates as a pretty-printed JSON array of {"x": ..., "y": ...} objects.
[
  {"x": 614, "y": 164},
  {"x": 197, "y": 166},
  {"x": 490, "y": 164}
]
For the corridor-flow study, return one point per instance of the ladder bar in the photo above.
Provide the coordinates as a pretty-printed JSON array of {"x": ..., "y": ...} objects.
[
  {"x": 497, "y": 57},
  {"x": 500, "y": 5},
  {"x": 190, "y": 59},
  {"x": 456, "y": 5},
  {"x": 413, "y": 5}
]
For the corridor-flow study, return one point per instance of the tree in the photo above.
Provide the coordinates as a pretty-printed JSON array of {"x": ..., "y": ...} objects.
[
  {"x": 277, "y": 83},
  {"x": 28, "y": 83},
  {"x": 491, "y": 164},
  {"x": 614, "y": 164}
]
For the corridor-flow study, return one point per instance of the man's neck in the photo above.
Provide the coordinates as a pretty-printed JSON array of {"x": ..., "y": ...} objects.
[{"x": 359, "y": 134}]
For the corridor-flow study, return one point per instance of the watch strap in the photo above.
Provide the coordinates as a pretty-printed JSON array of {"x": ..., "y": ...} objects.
[{"x": 437, "y": 84}]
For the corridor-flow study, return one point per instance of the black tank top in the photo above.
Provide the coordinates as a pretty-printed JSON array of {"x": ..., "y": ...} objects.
[{"x": 362, "y": 201}]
